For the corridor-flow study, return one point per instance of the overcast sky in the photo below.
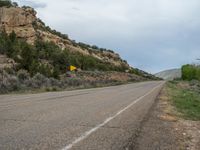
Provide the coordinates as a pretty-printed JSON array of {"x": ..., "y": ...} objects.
[{"x": 152, "y": 35}]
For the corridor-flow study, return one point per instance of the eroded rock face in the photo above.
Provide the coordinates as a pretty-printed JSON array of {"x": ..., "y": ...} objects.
[
  {"x": 26, "y": 25},
  {"x": 20, "y": 21}
]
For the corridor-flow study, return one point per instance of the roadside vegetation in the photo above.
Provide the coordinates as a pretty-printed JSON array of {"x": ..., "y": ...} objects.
[
  {"x": 42, "y": 66},
  {"x": 184, "y": 93},
  {"x": 22, "y": 81},
  {"x": 185, "y": 96}
]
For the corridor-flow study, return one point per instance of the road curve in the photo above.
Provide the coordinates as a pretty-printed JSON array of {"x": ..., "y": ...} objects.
[{"x": 101, "y": 118}]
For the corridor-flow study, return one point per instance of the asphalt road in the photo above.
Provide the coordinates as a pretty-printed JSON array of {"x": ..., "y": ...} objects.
[{"x": 101, "y": 118}]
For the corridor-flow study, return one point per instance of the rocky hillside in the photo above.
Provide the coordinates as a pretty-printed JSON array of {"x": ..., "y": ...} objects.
[
  {"x": 24, "y": 22},
  {"x": 35, "y": 57},
  {"x": 169, "y": 74},
  {"x": 37, "y": 48}
]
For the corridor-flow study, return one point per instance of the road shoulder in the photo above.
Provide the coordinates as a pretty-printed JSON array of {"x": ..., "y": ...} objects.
[{"x": 163, "y": 129}]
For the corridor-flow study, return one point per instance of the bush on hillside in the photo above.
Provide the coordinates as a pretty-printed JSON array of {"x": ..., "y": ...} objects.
[
  {"x": 48, "y": 59},
  {"x": 6, "y": 3},
  {"x": 23, "y": 75}
]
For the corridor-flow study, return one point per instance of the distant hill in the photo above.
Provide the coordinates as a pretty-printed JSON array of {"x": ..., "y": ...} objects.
[{"x": 169, "y": 74}]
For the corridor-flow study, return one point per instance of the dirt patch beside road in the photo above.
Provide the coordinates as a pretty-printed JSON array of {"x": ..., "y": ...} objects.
[
  {"x": 190, "y": 133},
  {"x": 163, "y": 129}
]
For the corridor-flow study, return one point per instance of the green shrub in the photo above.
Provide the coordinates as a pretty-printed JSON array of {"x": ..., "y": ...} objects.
[
  {"x": 38, "y": 81},
  {"x": 23, "y": 75},
  {"x": 190, "y": 72},
  {"x": 26, "y": 56},
  {"x": 6, "y": 3}
]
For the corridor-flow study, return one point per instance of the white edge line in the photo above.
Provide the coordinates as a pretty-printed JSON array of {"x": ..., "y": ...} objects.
[{"x": 87, "y": 133}]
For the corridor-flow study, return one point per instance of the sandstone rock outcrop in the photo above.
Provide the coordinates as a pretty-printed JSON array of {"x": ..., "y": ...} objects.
[{"x": 20, "y": 21}]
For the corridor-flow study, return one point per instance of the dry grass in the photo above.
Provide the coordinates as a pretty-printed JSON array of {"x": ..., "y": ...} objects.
[{"x": 21, "y": 81}]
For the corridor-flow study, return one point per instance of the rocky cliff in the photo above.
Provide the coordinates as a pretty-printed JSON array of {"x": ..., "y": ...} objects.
[{"x": 26, "y": 25}]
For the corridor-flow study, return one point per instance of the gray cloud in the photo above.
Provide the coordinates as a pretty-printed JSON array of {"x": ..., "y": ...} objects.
[{"x": 151, "y": 34}]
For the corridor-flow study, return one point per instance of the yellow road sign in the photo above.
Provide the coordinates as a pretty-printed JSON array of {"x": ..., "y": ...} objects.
[{"x": 72, "y": 68}]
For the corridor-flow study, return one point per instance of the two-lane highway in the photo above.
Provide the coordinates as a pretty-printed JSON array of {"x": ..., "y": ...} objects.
[{"x": 101, "y": 118}]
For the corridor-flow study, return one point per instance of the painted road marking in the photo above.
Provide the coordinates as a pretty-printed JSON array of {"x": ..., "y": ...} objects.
[{"x": 87, "y": 133}]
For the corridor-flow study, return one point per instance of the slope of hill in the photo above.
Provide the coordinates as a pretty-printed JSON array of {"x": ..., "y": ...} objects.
[
  {"x": 33, "y": 53},
  {"x": 169, "y": 74},
  {"x": 26, "y": 25}
]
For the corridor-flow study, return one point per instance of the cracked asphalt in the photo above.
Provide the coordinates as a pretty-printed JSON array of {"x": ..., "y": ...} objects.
[{"x": 96, "y": 119}]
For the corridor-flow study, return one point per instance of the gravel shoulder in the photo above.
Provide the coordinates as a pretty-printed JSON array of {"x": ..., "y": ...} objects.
[{"x": 163, "y": 129}]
